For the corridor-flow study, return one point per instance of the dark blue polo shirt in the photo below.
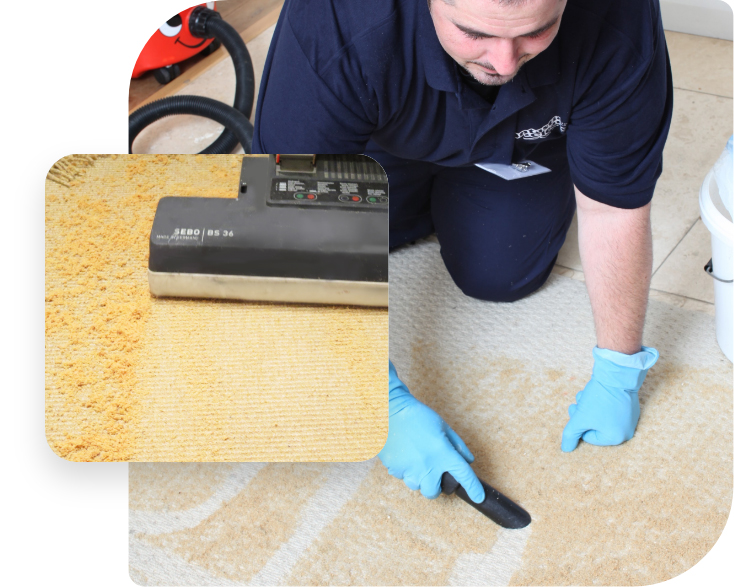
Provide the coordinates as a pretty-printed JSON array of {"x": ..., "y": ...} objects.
[{"x": 342, "y": 73}]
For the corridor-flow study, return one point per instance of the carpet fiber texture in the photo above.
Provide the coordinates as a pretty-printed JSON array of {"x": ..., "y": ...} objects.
[
  {"x": 502, "y": 375},
  {"x": 130, "y": 377}
]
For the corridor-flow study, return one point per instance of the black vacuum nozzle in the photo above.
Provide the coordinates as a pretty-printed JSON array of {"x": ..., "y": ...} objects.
[{"x": 497, "y": 507}]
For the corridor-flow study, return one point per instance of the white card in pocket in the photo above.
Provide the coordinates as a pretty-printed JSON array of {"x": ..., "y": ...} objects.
[{"x": 514, "y": 170}]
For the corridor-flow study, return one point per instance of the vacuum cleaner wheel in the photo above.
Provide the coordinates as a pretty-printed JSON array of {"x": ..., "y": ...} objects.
[{"x": 165, "y": 75}]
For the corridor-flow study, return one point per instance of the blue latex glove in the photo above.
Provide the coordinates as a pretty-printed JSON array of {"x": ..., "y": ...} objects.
[
  {"x": 607, "y": 409},
  {"x": 421, "y": 447}
]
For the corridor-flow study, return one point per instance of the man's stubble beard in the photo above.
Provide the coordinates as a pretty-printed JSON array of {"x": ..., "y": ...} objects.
[{"x": 499, "y": 80}]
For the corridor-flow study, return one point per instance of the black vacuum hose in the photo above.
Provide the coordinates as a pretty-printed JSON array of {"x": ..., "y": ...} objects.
[
  {"x": 205, "y": 23},
  {"x": 239, "y": 127}
]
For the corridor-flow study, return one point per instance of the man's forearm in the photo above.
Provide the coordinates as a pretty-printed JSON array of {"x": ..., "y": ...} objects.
[{"x": 616, "y": 254}]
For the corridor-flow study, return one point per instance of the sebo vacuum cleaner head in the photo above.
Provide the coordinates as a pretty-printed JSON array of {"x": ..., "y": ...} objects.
[{"x": 303, "y": 228}]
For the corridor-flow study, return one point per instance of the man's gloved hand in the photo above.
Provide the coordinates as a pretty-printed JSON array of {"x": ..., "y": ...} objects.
[
  {"x": 607, "y": 409},
  {"x": 421, "y": 447}
]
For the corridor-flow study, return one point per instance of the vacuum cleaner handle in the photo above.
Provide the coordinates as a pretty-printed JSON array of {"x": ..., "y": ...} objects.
[{"x": 497, "y": 507}]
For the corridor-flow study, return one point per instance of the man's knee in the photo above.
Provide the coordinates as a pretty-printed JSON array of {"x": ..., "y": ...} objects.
[
  {"x": 495, "y": 284},
  {"x": 490, "y": 290}
]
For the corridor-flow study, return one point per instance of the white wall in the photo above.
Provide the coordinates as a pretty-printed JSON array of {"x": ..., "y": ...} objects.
[{"x": 708, "y": 18}]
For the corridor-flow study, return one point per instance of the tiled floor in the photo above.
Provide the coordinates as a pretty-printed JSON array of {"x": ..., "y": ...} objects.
[{"x": 702, "y": 123}]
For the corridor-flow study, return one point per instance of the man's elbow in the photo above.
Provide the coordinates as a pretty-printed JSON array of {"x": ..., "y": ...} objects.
[{"x": 589, "y": 206}]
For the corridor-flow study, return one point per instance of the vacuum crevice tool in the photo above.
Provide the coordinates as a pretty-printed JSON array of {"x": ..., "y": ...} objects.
[{"x": 496, "y": 506}]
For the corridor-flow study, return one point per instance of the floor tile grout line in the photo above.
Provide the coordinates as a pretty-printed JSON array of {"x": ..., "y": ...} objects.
[
  {"x": 702, "y": 92},
  {"x": 570, "y": 268},
  {"x": 670, "y": 293},
  {"x": 682, "y": 296},
  {"x": 674, "y": 248}
]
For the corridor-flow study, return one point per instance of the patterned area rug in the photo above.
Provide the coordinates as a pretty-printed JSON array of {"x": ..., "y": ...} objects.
[
  {"x": 503, "y": 376},
  {"x": 130, "y": 377}
]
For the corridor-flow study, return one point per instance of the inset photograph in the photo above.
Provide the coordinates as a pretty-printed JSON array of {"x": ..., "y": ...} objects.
[
  {"x": 194, "y": 84},
  {"x": 216, "y": 308}
]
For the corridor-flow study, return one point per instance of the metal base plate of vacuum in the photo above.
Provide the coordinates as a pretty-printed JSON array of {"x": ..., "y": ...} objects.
[{"x": 307, "y": 229}]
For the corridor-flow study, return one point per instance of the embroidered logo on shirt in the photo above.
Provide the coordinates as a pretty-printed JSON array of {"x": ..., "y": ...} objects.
[{"x": 533, "y": 134}]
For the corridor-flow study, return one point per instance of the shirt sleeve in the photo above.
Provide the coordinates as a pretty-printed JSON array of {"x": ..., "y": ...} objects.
[
  {"x": 621, "y": 117},
  {"x": 310, "y": 101}
]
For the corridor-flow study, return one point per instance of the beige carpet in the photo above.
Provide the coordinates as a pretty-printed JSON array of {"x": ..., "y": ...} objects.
[
  {"x": 503, "y": 376},
  {"x": 130, "y": 377}
]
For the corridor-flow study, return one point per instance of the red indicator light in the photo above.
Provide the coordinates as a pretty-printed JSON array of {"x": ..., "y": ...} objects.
[
  {"x": 355, "y": 198},
  {"x": 310, "y": 196}
]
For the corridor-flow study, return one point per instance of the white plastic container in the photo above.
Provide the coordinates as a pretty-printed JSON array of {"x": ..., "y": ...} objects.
[{"x": 722, "y": 263}]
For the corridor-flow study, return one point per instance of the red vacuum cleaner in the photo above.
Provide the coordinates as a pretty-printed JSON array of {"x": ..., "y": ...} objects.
[
  {"x": 187, "y": 32},
  {"x": 170, "y": 45}
]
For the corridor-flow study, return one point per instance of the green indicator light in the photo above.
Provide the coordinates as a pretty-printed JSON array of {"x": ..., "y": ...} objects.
[
  {"x": 299, "y": 196},
  {"x": 373, "y": 200}
]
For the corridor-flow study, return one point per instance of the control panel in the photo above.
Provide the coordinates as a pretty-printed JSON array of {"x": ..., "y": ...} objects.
[{"x": 331, "y": 181}]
